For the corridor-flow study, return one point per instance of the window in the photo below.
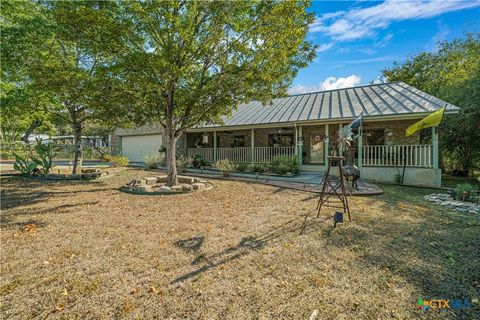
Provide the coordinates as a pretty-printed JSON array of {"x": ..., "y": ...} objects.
[
  {"x": 374, "y": 137},
  {"x": 280, "y": 140},
  {"x": 426, "y": 136},
  {"x": 238, "y": 141}
]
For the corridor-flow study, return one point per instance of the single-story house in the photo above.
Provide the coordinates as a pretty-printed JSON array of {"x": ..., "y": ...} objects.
[{"x": 298, "y": 125}]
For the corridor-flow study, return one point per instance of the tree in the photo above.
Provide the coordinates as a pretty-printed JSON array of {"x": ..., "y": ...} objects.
[
  {"x": 62, "y": 49},
  {"x": 452, "y": 73},
  {"x": 190, "y": 62}
]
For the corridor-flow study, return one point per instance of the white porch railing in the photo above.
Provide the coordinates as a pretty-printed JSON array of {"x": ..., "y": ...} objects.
[
  {"x": 243, "y": 154},
  {"x": 419, "y": 155}
]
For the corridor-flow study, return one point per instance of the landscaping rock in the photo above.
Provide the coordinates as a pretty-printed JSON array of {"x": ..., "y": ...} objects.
[
  {"x": 150, "y": 180},
  {"x": 144, "y": 188},
  {"x": 199, "y": 186},
  {"x": 183, "y": 179},
  {"x": 165, "y": 189},
  {"x": 177, "y": 187},
  {"x": 161, "y": 179},
  {"x": 187, "y": 187}
]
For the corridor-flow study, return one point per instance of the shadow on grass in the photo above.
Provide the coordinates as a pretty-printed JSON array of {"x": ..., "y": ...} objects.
[{"x": 248, "y": 245}]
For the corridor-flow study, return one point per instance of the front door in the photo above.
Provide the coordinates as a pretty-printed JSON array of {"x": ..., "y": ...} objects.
[{"x": 317, "y": 152}]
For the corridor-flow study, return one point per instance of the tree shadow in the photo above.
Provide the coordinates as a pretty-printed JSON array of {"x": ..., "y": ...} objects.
[{"x": 249, "y": 244}]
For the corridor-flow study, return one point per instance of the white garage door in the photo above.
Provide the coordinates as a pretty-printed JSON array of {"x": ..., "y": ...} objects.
[{"x": 136, "y": 147}]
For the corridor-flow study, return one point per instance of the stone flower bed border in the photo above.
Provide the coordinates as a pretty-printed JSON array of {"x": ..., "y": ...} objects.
[
  {"x": 156, "y": 185},
  {"x": 447, "y": 200}
]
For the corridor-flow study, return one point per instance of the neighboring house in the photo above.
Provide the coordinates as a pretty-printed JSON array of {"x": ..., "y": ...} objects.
[
  {"x": 299, "y": 124},
  {"x": 89, "y": 141}
]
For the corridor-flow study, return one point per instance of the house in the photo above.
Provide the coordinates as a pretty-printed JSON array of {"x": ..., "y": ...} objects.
[{"x": 301, "y": 124}]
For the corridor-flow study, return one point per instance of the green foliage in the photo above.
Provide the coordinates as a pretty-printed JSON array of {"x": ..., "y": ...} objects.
[
  {"x": 258, "y": 167},
  {"x": 117, "y": 161},
  {"x": 198, "y": 161},
  {"x": 285, "y": 164},
  {"x": 23, "y": 164},
  {"x": 242, "y": 167},
  {"x": 464, "y": 187},
  {"x": 45, "y": 155},
  {"x": 226, "y": 166},
  {"x": 450, "y": 73},
  {"x": 189, "y": 62},
  {"x": 154, "y": 160}
]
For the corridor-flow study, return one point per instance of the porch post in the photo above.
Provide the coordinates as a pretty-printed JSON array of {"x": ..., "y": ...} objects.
[
  {"x": 435, "y": 149},
  {"x": 300, "y": 147},
  {"x": 214, "y": 146},
  {"x": 360, "y": 148},
  {"x": 340, "y": 152},
  {"x": 327, "y": 141},
  {"x": 252, "y": 146}
]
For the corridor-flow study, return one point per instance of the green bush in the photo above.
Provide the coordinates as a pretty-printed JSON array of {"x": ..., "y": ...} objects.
[
  {"x": 285, "y": 164},
  {"x": 153, "y": 160},
  {"x": 198, "y": 161},
  {"x": 23, "y": 164},
  {"x": 464, "y": 187},
  {"x": 258, "y": 167},
  {"x": 117, "y": 161},
  {"x": 45, "y": 155},
  {"x": 242, "y": 167},
  {"x": 226, "y": 166}
]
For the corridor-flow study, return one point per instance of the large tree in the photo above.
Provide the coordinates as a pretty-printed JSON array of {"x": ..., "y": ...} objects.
[
  {"x": 190, "y": 62},
  {"x": 452, "y": 73},
  {"x": 62, "y": 49}
]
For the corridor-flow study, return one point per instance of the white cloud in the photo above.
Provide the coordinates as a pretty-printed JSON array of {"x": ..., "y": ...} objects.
[
  {"x": 359, "y": 23},
  {"x": 329, "y": 83},
  {"x": 332, "y": 83},
  {"x": 324, "y": 47}
]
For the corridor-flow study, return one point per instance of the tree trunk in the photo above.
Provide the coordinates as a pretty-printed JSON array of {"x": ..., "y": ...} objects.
[
  {"x": 171, "y": 163},
  {"x": 33, "y": 125},
  {"x": 77, "y": 148}
]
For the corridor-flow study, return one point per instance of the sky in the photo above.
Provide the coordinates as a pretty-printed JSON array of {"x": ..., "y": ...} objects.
[{"x": 357, "y": 39}]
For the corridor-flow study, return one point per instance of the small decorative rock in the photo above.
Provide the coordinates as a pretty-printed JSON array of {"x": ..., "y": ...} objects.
[
  {"x": 177, "y": 187},
  {"x": 187, "y": 187},
  {"x": 165, "y": 189},
  {"x": 199, "y": 186},
  {"x": 150, "y": 180},
  {"x": 183, "y": 179},
  {"x": 447, "y": 201}
]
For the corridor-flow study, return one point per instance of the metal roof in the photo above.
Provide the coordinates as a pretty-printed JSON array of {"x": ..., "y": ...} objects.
[{"x": 386, "y": 99}]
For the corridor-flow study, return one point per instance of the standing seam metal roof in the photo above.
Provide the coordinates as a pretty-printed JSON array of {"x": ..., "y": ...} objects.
[{"x": 393, "y": 98}]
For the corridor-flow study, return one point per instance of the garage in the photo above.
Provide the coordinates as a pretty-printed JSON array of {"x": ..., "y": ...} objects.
[{"x": 136, "y": 147}]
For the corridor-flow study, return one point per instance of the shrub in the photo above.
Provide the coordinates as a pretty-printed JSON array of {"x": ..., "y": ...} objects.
[
  {"x": 23, "y": 164},
  {"x": 198, "y": 161},
  {"x": 117, "y": 161},
  {"x": 285, "y": 164},
  {"x": 184, "y": 161},
  {"x": 242, "y": 167},
  {"x": 258, "y": 167},
  {"x": 226, "y": 166},
  {"x": 464, "y": 187},
  {"x": 45, "y": 156},
  {"x": 153, "y": 160}
]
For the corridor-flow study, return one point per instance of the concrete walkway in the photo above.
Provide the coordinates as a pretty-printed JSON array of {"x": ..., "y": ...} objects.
[{"x": 305, "y": 181}]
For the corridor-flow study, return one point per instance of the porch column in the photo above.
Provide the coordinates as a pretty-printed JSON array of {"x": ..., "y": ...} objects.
[
  {"x": 214, "y": 146},
  {"x": 300, "y": 146},
  {"x": 340, "y": 152},
  {"x": 252, "y": 146},
  {"x": 360, "y": 149},
  {"x": 327, "y": 141},
  {"x": 435, "y": 149}
]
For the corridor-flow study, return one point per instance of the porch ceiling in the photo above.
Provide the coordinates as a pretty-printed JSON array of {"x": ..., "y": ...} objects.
[{"x": 387, "y": 99}]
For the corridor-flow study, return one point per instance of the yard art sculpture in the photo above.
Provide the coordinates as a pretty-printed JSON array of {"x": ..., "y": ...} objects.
[{"x": 333, "y": 188}]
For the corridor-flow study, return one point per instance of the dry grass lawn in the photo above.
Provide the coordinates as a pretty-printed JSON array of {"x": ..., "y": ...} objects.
[{"x": 84, "y": 250}]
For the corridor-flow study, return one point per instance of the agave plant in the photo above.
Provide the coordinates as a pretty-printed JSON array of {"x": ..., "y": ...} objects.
[
  {"x": 23, "y": 164},
  {"x": 45, "y": 156}
]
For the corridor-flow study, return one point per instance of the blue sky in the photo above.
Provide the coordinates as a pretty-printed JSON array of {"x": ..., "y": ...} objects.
[{"x": 357, "y": 39}]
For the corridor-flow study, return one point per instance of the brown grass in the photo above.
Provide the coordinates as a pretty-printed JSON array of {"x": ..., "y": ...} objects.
[{"x": 85, "y": 250}]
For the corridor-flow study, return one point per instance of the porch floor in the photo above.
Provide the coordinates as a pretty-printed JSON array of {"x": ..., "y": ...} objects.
[{"x": 305, "y": 181}]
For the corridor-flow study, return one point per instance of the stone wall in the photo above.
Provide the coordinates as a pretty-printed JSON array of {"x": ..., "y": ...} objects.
[{"x": 397, "y": 129}]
